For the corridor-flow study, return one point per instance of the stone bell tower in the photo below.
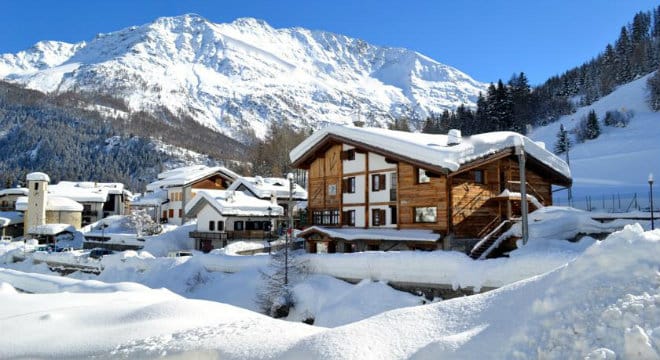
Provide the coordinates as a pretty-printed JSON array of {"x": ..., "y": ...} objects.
[{"x": 35, "y": 214}]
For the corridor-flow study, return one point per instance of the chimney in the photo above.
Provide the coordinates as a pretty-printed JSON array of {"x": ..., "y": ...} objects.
[{"x": 453, "y": 137}]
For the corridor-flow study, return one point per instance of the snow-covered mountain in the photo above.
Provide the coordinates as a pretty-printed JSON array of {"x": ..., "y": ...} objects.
[
  {"x": 614, "y": 167},
  {"x": 240, "y": 76}
]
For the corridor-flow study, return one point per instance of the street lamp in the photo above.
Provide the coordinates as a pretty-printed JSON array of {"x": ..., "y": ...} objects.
[
  {"x": 651, "y": 191},
  {"x": 289, "y": 177},
  {"x": 270, "y": 227}
]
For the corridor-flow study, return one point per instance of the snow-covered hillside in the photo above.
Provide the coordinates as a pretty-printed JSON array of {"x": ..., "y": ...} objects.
[
  {"x": 619, "y": 161},
  {"x": 237, "y": 77}
]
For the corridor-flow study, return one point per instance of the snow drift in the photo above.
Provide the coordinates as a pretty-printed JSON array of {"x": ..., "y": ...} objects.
[{"x": 604, "y": 304}]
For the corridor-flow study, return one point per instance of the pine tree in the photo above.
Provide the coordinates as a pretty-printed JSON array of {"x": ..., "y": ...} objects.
[
  {"x": 654, "y": 91},
  {"x": 593, "y": 128},
  {"x": 563, "y": 143},
  {"x": 400, "y": 124},
  {"x": 521, "y": 102}
]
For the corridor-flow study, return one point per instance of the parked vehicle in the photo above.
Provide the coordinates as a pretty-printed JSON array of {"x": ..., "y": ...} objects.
[
  {"x": 179, "y": 253},
  {"x": 98, "y": 253}
]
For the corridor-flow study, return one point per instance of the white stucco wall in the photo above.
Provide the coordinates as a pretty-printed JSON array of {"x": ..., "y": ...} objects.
[
  {"x": 377, "y": 162},
  {"x": 382, "y": 195},
  {"x": 358, "y": 196},
  {"x": 205, "y": 215},
  {"x": 353, "y": 166},
  {"x": 359, "y": 214}
]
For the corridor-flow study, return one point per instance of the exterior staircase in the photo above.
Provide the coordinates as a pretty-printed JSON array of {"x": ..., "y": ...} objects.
[{"x": 490, "y": 241}]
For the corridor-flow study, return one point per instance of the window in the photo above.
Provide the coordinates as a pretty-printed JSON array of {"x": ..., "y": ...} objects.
[
  {"x": 332, "y": 189},
  {"x": 238, "y": 226},
  {"x": 393, "y": 214},
  {"x": 221, "y": 225},
  {"x": 348, "y": 218},
  {"x": 426, "y": 215},
  {"x": 479, "y": 177},
  {"x": 349, "y": 185},
  {"x": 378, "y": 217},
  {"x": 423, "y": 177},
  {"x": 373, "y": 247},
  {"x": 326, "y": 217},
  {"x": 171, "y": 213},
  {"x": 181, "y": 213},
  {"x": 36, "y": 186},
  {"x": 348, "y": 154},
  {"x": 164, "y": 214},
  {"x": 211, "y": 225},
  {"x": 377, "y": 182}
]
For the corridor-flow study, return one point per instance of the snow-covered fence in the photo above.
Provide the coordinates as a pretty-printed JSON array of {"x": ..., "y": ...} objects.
[{"x": 608, "y": 202}]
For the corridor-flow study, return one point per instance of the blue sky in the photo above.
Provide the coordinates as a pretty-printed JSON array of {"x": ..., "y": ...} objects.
[{"x": 486, "y": 39}]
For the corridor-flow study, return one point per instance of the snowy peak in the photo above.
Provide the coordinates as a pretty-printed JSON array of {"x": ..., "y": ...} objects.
[
  {"x": 41, "y": 56},
  {"x": 238, "y": 77}
]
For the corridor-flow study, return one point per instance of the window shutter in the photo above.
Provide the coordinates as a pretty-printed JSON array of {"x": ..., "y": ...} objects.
[
  {"x": 382, "y": 217},
  {"x": 344, "y": 186},
  {"x": 382, "y": 182},
  {"x": 344, "y": 155}
]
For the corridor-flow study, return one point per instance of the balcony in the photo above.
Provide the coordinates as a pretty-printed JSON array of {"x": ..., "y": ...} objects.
[{"x": 233, "y": 235}]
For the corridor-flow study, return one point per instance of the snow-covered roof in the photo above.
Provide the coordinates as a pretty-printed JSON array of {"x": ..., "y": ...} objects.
[
  {"x": 60, "y": 203},
  {"x": 351, "y": 234},
  {"x": 188, "y": 174},
  {"x": 10, "y": 217},
  {"x": 14, "y": 191},
  {"x": 264, "y": 188},
  {"x": 232, "y": 203},
  {"x": 51, "y": 229},
  {"x": 154, "y": 198},
  {"x": 80, "y": 191},
  {"x": 432, "y": 149},
  {"x": 53, "y": 203},
  {"x": 37, "y": 176}
]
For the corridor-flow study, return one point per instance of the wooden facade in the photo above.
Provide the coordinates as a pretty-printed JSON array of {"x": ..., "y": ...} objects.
[{"x": 463, "y": 204}]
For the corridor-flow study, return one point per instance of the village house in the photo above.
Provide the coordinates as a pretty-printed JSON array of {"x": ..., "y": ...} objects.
[
  {"x": 11, "y": 221},
  {"x": 167, "y": 197},
  {"x": 276, "y": 190},
  {"x": 9, "y": 196},
  {"x": 99, "y": 200},
  {"x": 224, "y": 216},
  {"x": 379, "y": 189}
]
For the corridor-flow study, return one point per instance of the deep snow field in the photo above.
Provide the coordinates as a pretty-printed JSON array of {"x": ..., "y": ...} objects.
[{"x": 595, "y": 299}]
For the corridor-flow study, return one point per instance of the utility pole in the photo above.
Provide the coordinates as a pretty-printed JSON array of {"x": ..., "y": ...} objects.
[{"x": 520, "y": 151}]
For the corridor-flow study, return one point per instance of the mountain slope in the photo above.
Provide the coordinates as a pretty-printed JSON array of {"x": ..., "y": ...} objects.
[
  {"x": 238, "y": 77},
  {"x": 619, "y": 161}
]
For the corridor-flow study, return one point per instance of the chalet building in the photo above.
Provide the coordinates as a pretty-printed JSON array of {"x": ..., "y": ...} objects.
[
  {"x": 378, "y": 189},
  {"x": 168, "y": 196},
  {"x": 275, "y": 190},
  {"x": 224, "y": 216}
]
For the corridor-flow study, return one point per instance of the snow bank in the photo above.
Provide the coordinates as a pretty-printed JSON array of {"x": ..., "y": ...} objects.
[
  {"x": 52, "y": 284},
  {"x": 604, "y": 304},
  {"x": 172, "y": 239}
]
